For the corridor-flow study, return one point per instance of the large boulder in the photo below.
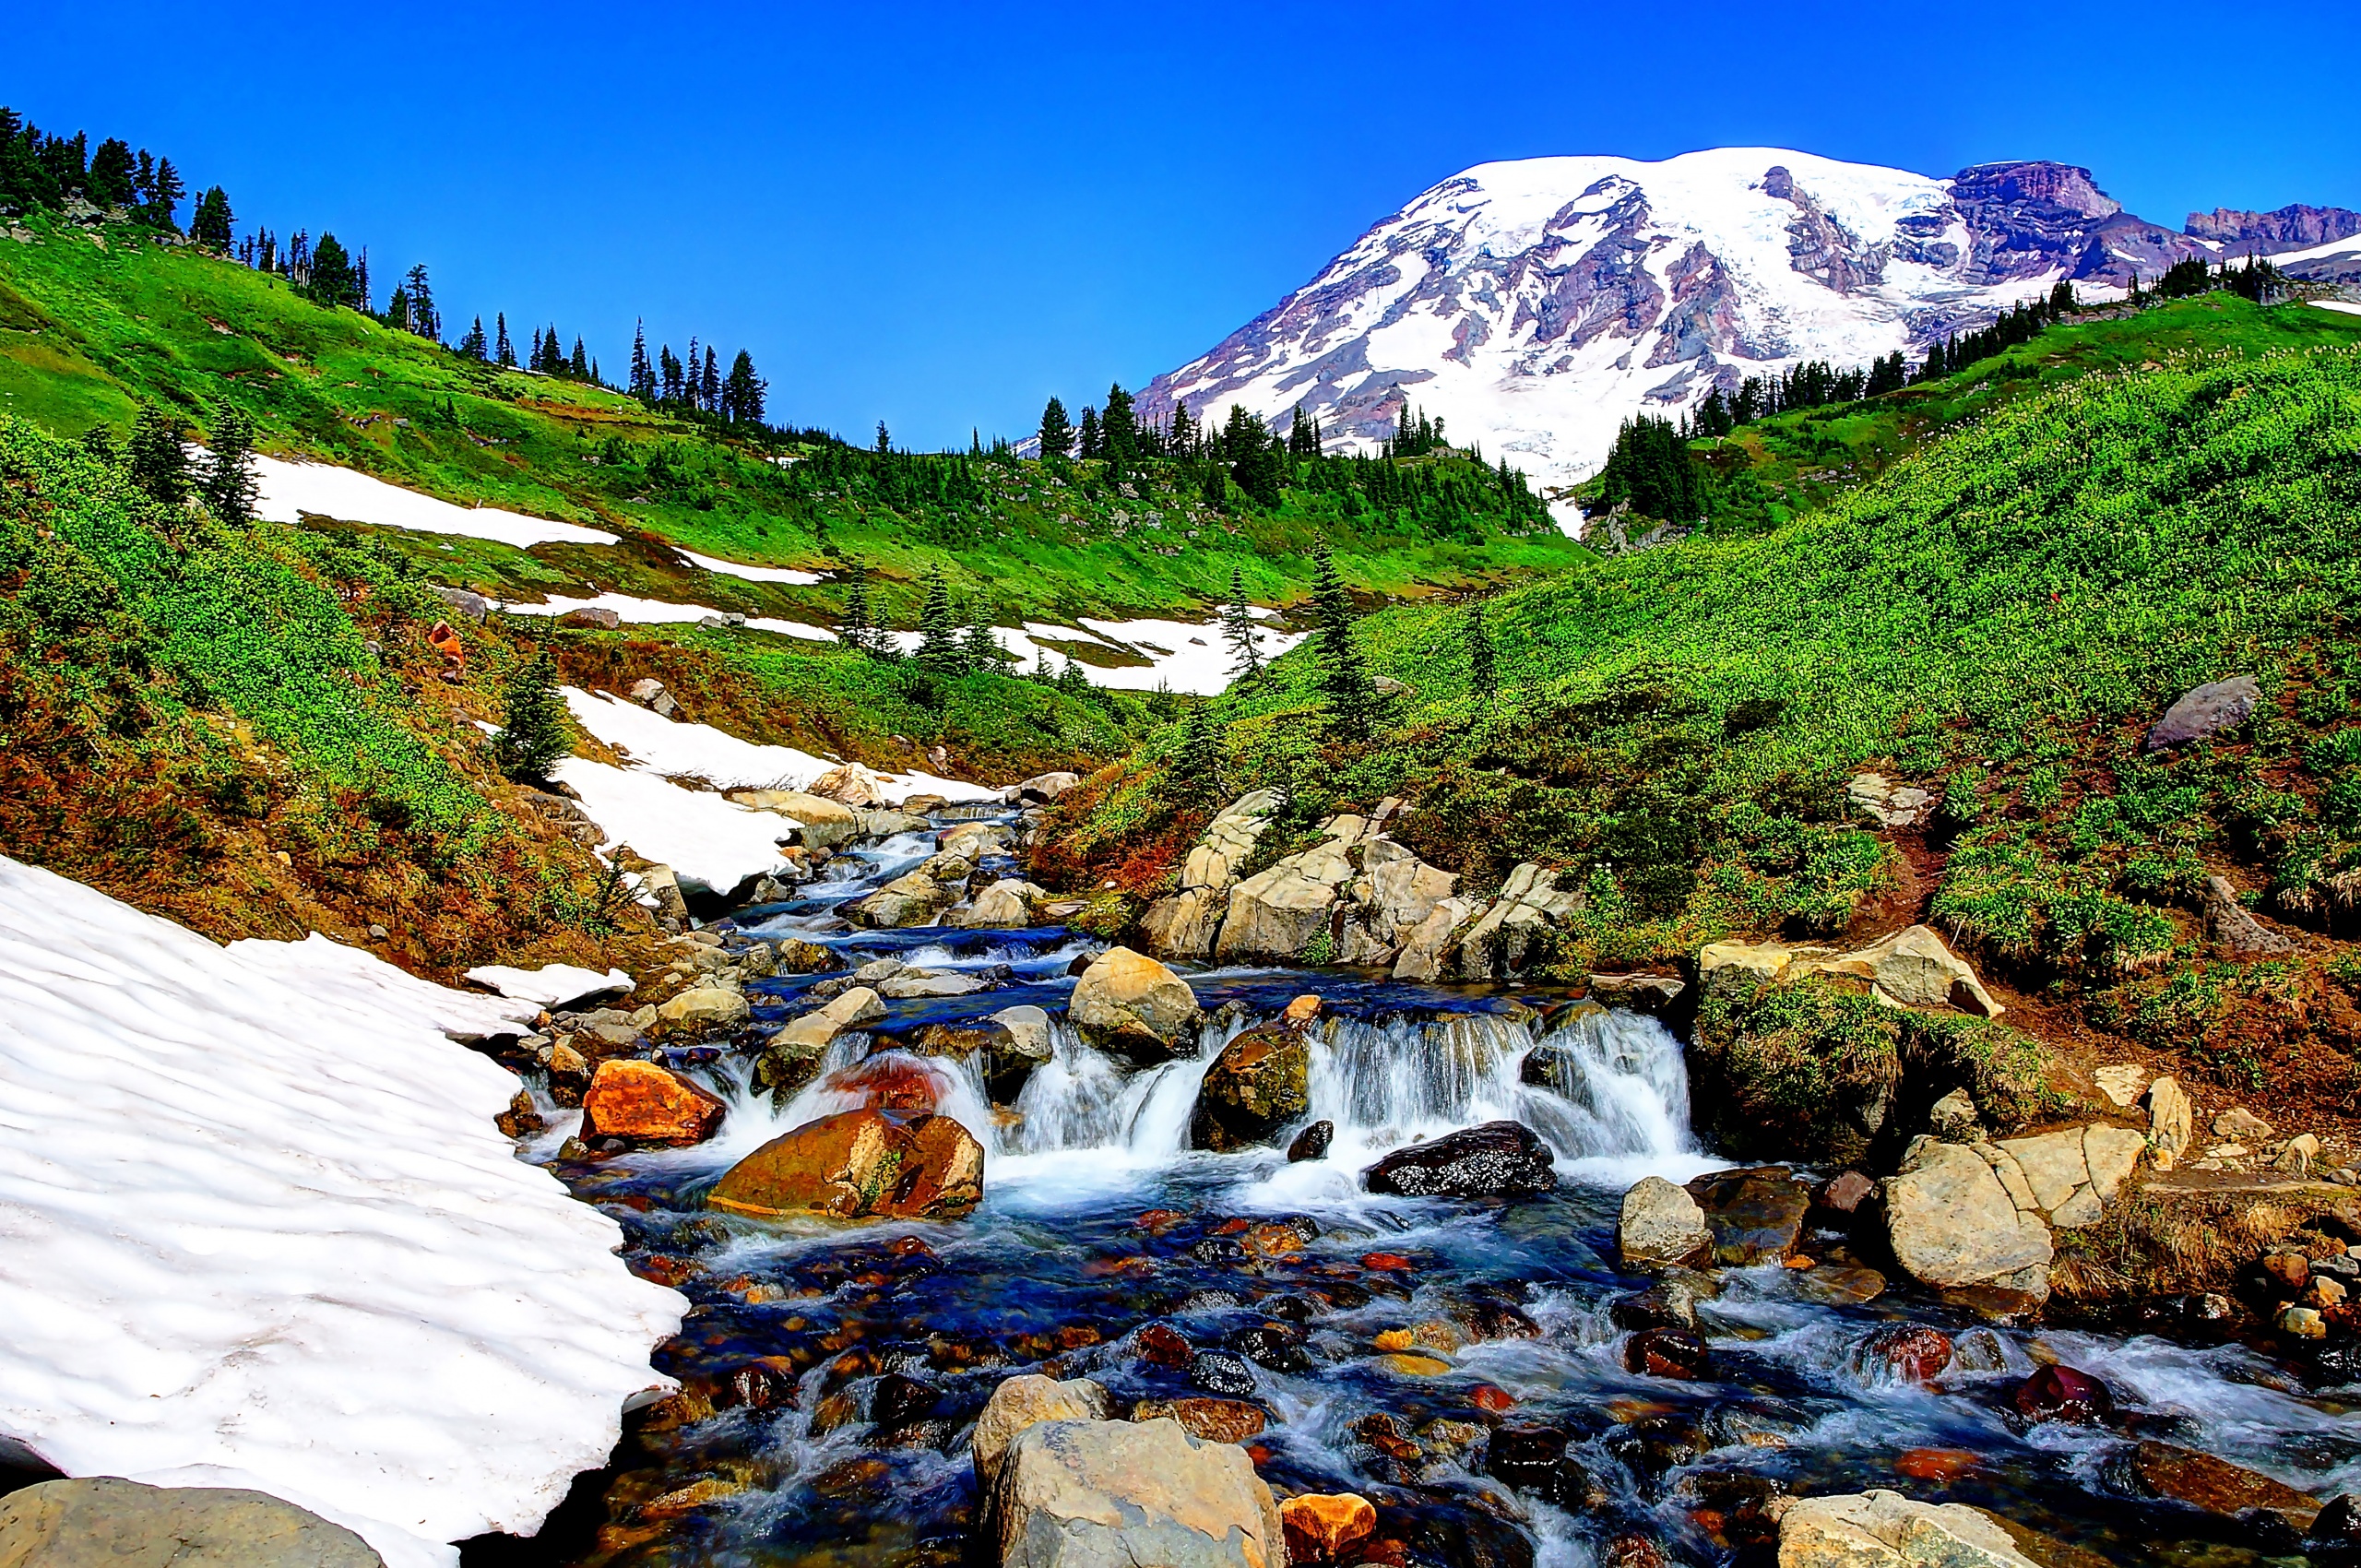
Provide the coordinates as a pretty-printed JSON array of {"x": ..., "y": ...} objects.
[
  {"x": 825, "y": 824},
  {"x": 1754, "y": 1216},
  {"x": 1914, "y": 967},
  {"x": 870, "y": 1164},
  {"x": 1738, "y": 970},
  {"x": 1283, "y": 911},
  {"x": 1500, "y": 941},
  {"x": 1040, "y": 790},
  {"x": 1885, "y": 1529},
  {"x": 1006, "y": 905},
  {"x": 1661, "y": 1225},
  {"x": 1128, "y": 1002},
  {"x": 642, "y": 1104},
  {"x": 106, "y": 1522},
  {"x": 815, "y": 1031},
  {"x": 1951, "y": 1223},
  {"x": 1499, "y": 1159},
  {"x": 1390, "y": 900},
  {"x": 2071, "y": 1174},
  {"x": 2218, "y": 1487},
  {"x": 706, "y": 1007},
  {"x": 1020, "y": 1402},
  {"x": 1426, "y": 947},
  {"x": 1258, "y": 1087},
  {"x": 911, "y": 899},
  {"x": 2205, "y": 712},
  {"x": 2235, "y": 931},
  {"x": 1184, "y": 925},
  {"x": 851, "y": 784},
  {"x": 1118, "y": 1494}
]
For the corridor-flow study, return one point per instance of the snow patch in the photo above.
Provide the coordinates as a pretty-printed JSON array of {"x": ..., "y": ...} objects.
[
  {"x": 752, "y": 573},
  {"x": 639, "y": 612},
  {"x": 2347, "y": 306},
  {"x": 553, "y": 985},
  {"x": 289, "y": 490},
  {"x": 258, "y": 1220},
  {"x": 708, "y": 842},
  {"x": 331, "y": 971}
]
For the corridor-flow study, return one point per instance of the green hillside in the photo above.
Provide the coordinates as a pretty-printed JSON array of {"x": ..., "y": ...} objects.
[
  {"x": 1999, "y": 617},
  {"x": 96, "y": 317}
]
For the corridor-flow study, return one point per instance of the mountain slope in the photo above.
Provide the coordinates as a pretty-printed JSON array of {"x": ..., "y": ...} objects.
[{"x": 1536, "y": 305}]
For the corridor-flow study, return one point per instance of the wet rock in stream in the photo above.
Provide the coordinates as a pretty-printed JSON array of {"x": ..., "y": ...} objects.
[{"x": 1497, "y": 1159}]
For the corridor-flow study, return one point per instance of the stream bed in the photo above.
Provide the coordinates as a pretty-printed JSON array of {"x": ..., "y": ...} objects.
[{"x": 831, "y": 1374}]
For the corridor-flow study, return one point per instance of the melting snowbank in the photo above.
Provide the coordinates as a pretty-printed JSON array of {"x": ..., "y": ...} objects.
[
  {"x": 752, "y": 573},
  {"x": 637, "y": 612},
  {"x": 258, "y": 1219},
  {"x": 289, "y": 490},
  {"x": 1181, "y": 655}
]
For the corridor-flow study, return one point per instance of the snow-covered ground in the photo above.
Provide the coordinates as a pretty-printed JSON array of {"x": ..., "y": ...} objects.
[
  {"x": 704, "y": 838},
  {"x": 752, "y": 573},
  {"x": 1182, "y": 654},
  {"x": 289, "y": 490},
  {"x": 2347, "y": 306},
  {"x": 660, "y": 612},
  {"x": 257, "y": 1228}
]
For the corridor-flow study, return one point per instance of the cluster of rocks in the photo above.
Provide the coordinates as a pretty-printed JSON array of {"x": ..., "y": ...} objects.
[
  {"x": 1354, "y": 896},
  {"x": 1911, "y": 968}
]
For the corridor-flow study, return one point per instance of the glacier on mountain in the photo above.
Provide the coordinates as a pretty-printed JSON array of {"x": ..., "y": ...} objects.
[{"x": 1536, "y": 304}]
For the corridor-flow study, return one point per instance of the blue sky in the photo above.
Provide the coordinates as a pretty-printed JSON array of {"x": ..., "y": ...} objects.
[{"x": 938, "y": 215}]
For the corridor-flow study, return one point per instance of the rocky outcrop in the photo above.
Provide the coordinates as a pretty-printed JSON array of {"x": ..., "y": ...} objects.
[
  {"x": 792, "y": 1054},
  {"x": 1021, "y": 1403},
  {"x": 2171, "y": 1122},
  {"x": 1425, "y": 947},
  {"x": 1257, "y": 1088},
  {"x": 1739, "y": 969},
  {"x": 1879, "y": 802},
  {"x": 1499, "y": 1159},
  {"x": 913, "y": 898},
  {"x": 706, "y": 1007},
  {"x": 851, "y": 784},
  {"x": 1752, "y": 1216},
  {"x": 1913, "y": 969},
  {"x": 643, "y": 1104},
  {"x": 1040, "y": 790},
  {"x": 1951, "y": 1223},
  {"x": 1006, "y": 905},
  {"x": 1129, "y": 1003},
  {"x": 106, "y": 1522},
  {"x": 1284, "y": 910},
  {"x": 2205, "y": 713},
  {"x": 868, "y": 1164},
  {"x": 1114, "y": 1495},
  {"x": 2230, "y": 1491},
  {"x": 1885, "y": 1529},
  {"x": 1320, "y": 1525},
  {"x": 1500, "y": 941},
  {"x": 1660, "y": 1226},
  {"x": 1184, "y": 925},
  {"x": 1637, "y": 994},
  {"x": 821, "y": 822},
  {"x": 2235, "y": 931},
  {"x": 2069, "y": 1176}
]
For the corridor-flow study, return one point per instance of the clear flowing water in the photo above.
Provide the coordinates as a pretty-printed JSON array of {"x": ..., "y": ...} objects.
[{"x": 833, "y": 1373}]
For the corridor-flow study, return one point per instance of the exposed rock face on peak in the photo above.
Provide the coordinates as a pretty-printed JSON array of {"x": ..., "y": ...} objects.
[
  {"x": 1536, "y": 305},
  {"x": 2293, "y": 228}
]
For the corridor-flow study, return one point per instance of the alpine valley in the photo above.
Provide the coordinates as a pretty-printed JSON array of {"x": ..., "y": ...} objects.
[{"x": 1668, "y": 876}]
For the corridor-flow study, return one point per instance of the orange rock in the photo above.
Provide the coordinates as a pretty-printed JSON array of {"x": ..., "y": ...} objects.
[
  {"x": 1389, "y": 1262},
  {"x": 1395, "y": 1339},
  {"x": 1159, "y": 1219},
  {"x": 872, "y": 1164},
  {"x": 1208, "y": 1421},
  {"x": 889, "y": 1082},
  {"x": 1407, "y": 1365},
  {"x": 1935, "y": 1464},
  {"x": 1487, "y": 1398},
  {"x": 641, "y": 1101},
  {"x": 1300, "y": 1012},
  {"x": 1272, "y": 1242},
  {"x": 445, "y": 641},
  {"x": 665, "y": 1270},
  {"x": 1319, "y": 1526},
  {"x": 1800, "y": 1261}
]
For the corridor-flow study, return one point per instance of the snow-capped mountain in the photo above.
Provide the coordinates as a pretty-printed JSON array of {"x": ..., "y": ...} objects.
[{"x": 1535, "y": 305}]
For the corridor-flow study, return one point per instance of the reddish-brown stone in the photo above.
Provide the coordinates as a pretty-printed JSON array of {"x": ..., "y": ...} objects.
[
  {"x": 1321, "y": 1524},
  {"x": 644, "y": 1104},
  {"x": 871, "y": 1164},
  {"x": 1208, "y": 1421}
]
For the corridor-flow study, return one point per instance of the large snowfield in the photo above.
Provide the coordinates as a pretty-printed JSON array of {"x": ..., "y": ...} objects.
[
  {"x": 258, "y": 1228},
  {"x": 290, "y": 490}
]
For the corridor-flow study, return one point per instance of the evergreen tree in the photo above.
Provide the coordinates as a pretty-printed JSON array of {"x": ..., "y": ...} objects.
[
  {"x": 229, "y": 484},
  {"x": 98, "y": 441},
  {"x": 643, "y": 375},
  {"x": 939, "y": 648},
  {"x": 1238, "y": 629},
  {"x": 1071, "y": 681},
  {"x": 1483, "y": 674},
  {"x": 743, "y": 392},
  {"x": 108, "y": 183},
  {"x": 857, "y": 627},
  {"x": 1196, "y": 767},
  {"x": 503, "y": 352},
  {"x": 1088, "y": 444},
  {"x": 1057, "y": 436},
  {"x": 210, "y": 227},
  {"x": 164, "y": 193},
  {"x": 330, "y": 278},
  {"x": 1180, "y": 439},
  {"x": 1352, "y": 701},
  {"x": 885, "y": 439},
  {"x": 709, "y": 383},
  {"x": 533, "y": 735},
  {"x": 159, "y": 463},
  {"x": 472, "y": 345},
  {"x": 982, "y": 650},
  {"x": 580, "y": 366},
  {"x": 1117, "y": 430}
]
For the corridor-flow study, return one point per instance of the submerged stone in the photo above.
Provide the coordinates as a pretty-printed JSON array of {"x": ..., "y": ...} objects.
[
  {"x": 868, "y": 1164},
  {"x": 1497, "y": 1159}
]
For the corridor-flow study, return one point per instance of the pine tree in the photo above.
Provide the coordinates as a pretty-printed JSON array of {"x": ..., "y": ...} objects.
[
  {"x": 1351, "y": 699},
  {"x": 109, "y": 181},
  {"x": 643, "y": 375},
  {"x": 159, "y": 463},
  {"x": 743, "y": 392},
  {"x": 229, "y": 484},
  {"x": 210, "y": 227},
  {"x": 98, "y": 441},
  {"x": 1057, "y": 434},
  {"x": 1196, "y": 767},
  {"x": 1181, "y": 438},
  {"x": 164, "y": 195},
  {"x": 708, "y": 384},
  {"x": 533, "y": 735},
  {"x": 424, "y": 319},
  {"x": 885, "y": 439},
  {"x": 857, "y": 626},
  {"x": 330, "y": 278},
  {"x": 981, "y": 649},
  {"x": 1088, "y": 444},
  {"x": 1238, "y": 629},
  {"x": 1117, "y": 430},
  {"x": 939, "y": 648},
  {"x": 1483, "y": 674},
  {"x": 503, "y": 352},
  {"x": 1071, "y": 681},
  {"x": 472, "y": 345},
  {"x": 580, "y": 366}
]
